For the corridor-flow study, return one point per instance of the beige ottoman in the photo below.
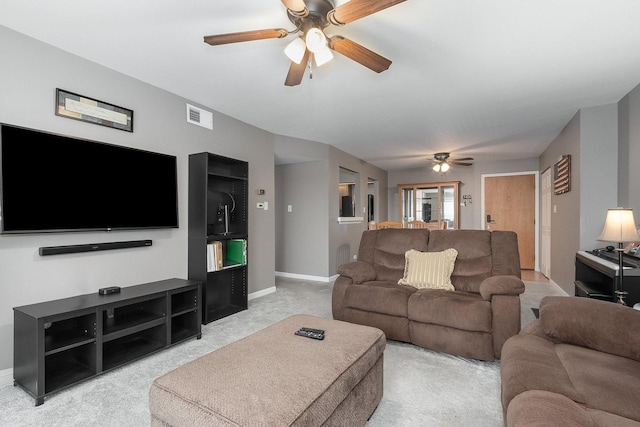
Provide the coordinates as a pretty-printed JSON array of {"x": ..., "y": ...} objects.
[{"x": 275, "y": 378}]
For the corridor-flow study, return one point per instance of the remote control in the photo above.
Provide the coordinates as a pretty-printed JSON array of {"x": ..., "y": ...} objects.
[
  {"x": 309, "y": 334},
  {"x": 317, "y": 331}
]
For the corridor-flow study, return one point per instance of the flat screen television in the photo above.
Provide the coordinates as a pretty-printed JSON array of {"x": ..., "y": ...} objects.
[{"x": 56, "y": 183}]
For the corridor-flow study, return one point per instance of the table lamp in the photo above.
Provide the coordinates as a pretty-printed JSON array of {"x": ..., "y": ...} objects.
[{"x": 620, "y": 227}]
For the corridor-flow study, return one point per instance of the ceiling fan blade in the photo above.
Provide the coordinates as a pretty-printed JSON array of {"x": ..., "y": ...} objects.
[
  {"x": 359, "y": 53},
  {"x": 296, "y": 71},
  {"x": 453, "y": 162},
  {"x": 298, "y": 7},
  {"x": 356, "y": 9},
  {"x": 463, "y": 159},
  {"x": 246, "y": 36}
]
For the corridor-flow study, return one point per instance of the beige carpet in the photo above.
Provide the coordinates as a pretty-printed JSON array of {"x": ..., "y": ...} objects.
[{"x": 421, "y": 387}]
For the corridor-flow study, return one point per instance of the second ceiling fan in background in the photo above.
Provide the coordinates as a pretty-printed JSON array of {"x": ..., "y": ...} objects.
[
  {"x": 443, "y": 162},
  {"x": 310, "y": 18}
]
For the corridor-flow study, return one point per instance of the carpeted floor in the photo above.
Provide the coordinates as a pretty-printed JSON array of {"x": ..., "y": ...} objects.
[{"x": 421, "y": 387}]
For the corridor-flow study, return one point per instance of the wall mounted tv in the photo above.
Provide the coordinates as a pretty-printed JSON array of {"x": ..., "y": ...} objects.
[{"x": 56, "y": 183}]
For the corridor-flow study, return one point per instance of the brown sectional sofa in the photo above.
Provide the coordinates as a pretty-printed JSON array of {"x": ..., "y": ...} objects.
[
  {"x": 473, "y": 321},
  {"x": 577, "y": 365}
]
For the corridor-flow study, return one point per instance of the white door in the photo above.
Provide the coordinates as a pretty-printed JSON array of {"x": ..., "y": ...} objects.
[{"x": 545, "y": 223}]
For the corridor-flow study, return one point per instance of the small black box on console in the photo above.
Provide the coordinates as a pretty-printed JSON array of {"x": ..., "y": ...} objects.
[{"x": 110, "y": 290}]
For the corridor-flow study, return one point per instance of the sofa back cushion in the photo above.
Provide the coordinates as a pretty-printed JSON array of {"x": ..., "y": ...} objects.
[
  {"x": 599, "y": 325},
  {"x": 385, "y": 249},
  {"x": 506, "y": 258},
  {"x": 474, "y": 261},
  {"x": 481, "y": 253}
]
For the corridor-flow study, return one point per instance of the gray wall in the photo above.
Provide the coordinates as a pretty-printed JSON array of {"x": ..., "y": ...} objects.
[
  {"x": 346, "y": 237},
  {"x": 629, "y": 151},
  {"x": 29, "y": 75},
  {"x": 591, "y": 138},
  {"x": 303, "y": 233},
  {"x": 307, "y": 178},
  {"x": 598, "y": 166},
  {"x": 565, "y": 224}
]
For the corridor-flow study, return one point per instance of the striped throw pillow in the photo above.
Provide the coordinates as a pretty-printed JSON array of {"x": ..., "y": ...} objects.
[{"x": 430, "y": 270}]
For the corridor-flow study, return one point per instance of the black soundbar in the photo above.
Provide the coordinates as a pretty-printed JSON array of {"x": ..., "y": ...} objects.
[{"x": 92, "y": 247}]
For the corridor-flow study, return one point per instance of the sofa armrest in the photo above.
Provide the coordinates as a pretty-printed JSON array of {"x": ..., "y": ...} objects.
[
  {"x": 501, "y": 285},
  {"x": 358, "y": 271},
  {"x": 599, "y": 325}
]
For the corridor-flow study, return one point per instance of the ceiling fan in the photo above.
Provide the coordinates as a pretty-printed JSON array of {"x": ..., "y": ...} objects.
[
  {"x": 443, "y": 162},
  {"x": 310, "y": 18}
]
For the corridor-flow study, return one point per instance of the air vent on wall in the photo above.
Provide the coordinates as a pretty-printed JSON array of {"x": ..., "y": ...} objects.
[{"x": 200, "y": 117}]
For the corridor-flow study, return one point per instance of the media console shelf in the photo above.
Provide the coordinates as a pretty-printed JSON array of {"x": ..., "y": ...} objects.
[{"x": 60, "y": 343}]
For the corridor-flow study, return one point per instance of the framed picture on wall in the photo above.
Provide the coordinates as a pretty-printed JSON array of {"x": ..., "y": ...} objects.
[{"x": 79, "y": 107}]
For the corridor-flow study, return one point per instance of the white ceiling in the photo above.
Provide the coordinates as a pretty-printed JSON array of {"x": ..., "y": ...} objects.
[{"x": 492, "y": 79}]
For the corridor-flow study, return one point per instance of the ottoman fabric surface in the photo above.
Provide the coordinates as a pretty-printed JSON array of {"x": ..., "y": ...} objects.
[{"x": 276, "y": 378}]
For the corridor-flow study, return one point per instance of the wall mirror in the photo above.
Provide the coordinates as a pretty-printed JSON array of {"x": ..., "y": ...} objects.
[
  {"x": 372, "y": 194},
  {"x": 348, "y": 192}
]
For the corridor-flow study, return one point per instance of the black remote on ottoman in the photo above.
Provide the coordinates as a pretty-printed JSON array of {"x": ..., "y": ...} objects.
[{"x": 316, "y": 334}]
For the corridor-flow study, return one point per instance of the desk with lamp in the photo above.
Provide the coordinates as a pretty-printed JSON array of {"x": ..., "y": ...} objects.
[{"x": 612, "y": 273}]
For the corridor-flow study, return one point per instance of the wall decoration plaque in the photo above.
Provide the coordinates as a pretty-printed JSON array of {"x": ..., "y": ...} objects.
[
  {"x": 79, "y": 107},
  {"x": 562, "y": 175}
]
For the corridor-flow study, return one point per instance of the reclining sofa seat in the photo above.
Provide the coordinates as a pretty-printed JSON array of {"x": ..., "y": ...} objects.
[
  {"x": 473, "y": 321},
  {"x": 577, "y": 365}
]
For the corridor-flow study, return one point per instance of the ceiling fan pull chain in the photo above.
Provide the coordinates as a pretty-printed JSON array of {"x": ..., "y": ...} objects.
[{"x": 310, "y": 68}]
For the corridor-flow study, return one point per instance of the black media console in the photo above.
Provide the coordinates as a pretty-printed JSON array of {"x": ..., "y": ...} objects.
[{"x": 60, "y": 343}]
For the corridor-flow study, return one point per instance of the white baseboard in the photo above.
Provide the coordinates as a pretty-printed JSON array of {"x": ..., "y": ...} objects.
[
  {"x": 6, "y": 377},
  {"x": 558, "y": 286},
  {"x": 306, "y": 277},
  {"x": 258, "y": 294}
]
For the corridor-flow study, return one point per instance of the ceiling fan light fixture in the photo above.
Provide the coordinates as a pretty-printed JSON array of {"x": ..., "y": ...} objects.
[
  {"x": 315, "y": 39},
  {"x": 295, "y": 50},
  {"x": 441, "y": 167},
  {"x": 323, "y": 56}
]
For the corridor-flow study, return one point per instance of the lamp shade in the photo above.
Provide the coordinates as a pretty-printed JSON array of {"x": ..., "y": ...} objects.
[
  {"x": 315, "y": 39},
  {"x": 295, "y": 50},
  {"x": 619, "y": 227},
  {"x": 322, "y": 56}
]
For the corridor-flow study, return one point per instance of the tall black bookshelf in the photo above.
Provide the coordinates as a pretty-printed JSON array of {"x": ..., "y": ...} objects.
[{"x": 218, "y": 205}]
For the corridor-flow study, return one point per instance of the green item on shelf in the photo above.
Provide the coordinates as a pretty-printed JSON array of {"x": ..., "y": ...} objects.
[{"x": 237, "y": 251}]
